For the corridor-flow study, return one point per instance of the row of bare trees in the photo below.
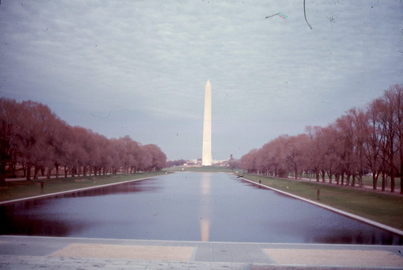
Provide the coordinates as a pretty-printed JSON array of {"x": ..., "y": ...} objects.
[
  {"x": 178, "y": 162},
  {"x": 35, "y": 141},
  {"x": 361, "y": 142}
]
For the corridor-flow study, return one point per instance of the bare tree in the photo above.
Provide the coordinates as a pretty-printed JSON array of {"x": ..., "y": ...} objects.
[
  {"x": 34, "y": 138},
  {"x": 357, "y": 143}
]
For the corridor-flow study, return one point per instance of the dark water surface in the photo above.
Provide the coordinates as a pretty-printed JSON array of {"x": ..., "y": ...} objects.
[{"x": 187, "y": 206}]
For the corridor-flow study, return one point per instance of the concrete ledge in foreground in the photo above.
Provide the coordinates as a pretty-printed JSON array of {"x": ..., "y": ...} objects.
[{"x": 25, "y": 252}]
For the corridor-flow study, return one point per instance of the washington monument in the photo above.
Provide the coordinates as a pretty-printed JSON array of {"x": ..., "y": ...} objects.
[{"x": 206, "y": 156}]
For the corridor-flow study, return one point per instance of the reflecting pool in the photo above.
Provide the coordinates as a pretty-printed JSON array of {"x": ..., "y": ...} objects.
[{"x": 187, "y": 206}]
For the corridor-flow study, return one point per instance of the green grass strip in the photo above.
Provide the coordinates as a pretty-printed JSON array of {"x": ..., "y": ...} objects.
[
  {"x": 23, "y": 189},
  {"x": 380, "y": 207}
]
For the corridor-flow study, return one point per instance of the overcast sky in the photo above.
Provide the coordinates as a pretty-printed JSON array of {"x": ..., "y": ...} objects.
[{"x": 139, "y": 68}]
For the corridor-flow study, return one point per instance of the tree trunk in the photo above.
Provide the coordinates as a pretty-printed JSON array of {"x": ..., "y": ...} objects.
[
  {"x": 28, "y": 172},
  {"x": 2, "y": 173},
  {"x": 13, "y": 169},
  {"x": 401, "y": 183},
  {"x": 374, "y": 180},
  {"x": 360, "y": 179},
  {"x": 392, "y": 182},
  {"x": 401, "y": 152},
  {"x": 392, "y": 170},
  {"x": 348, "y": 180},
  {"x": 57, "y": 171},
  {"x": 36, "y": 169},
  {"x": 383, "y": 181}
]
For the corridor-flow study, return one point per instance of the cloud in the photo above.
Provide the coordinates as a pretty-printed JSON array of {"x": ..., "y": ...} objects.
[{"x": 151, "y": 59}]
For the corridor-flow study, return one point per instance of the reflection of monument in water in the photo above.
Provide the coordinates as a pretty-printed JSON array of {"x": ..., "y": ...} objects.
[
  {"x": 206, "y": 155},
  {"x": 205, "y": 214}
]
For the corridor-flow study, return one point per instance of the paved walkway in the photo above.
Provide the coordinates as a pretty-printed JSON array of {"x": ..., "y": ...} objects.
[{"x": 24, "y": 252}]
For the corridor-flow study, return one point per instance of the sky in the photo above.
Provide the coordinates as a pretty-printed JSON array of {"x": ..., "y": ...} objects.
[{"x": 139, "y": 67}]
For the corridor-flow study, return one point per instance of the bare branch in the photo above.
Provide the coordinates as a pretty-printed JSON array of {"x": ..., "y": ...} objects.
[{"x": 305, "y": 17}]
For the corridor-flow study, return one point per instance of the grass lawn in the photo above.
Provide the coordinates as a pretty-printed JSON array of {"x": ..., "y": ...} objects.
[
  {"x": 22, "y": 189},
  {"x": 380, "y": 207}
]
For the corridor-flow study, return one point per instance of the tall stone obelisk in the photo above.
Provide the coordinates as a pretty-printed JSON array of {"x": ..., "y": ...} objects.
[{"x": 206, "y": 156}]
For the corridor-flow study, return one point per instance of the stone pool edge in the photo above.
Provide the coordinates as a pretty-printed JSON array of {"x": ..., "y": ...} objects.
[
  {"x": 338, "y": 211},
  {"x": 48, "y": 253},
  {"x": 72, "y": 191}
]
